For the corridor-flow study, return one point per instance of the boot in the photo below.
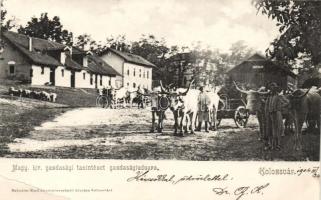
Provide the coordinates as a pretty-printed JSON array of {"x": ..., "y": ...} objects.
[
  {"x": 199, "y": 126},
  {"x": 206, "y": 128}
]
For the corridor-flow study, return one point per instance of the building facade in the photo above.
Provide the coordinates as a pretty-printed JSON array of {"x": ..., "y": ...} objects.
[
  {"x": 134, "y": 70},
  {"x": 258, "y": 71},
  {"x": 41, "y": 62}
]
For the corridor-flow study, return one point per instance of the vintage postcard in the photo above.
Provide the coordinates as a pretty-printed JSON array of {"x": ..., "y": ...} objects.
[{"x": 150, "y": 99}]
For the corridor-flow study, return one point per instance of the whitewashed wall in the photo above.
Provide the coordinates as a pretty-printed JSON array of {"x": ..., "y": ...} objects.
[
  {"x": 140, "y": 77},
  {"x": 80, "y": 82},
  {"x": 63, "y": 81},
  {"x": 38, "y": 78},
  {"x": 105, "y": 82}
]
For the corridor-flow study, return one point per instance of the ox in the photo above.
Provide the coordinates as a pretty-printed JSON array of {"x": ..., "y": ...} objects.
[
  {"x": 304, "y": 106},
  {"x": 120, "y": 95},
  {"x": 255, "y": 105},
  {"x": 137, "y": 95},
  {"x": 183, "y": 105},
  {"x": 214, "y": 101}
]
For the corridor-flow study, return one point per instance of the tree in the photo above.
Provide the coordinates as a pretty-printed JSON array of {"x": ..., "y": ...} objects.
[
  {"x": 119, "y": 43},
  {"x": 299, "y": 24},
  {"x": 153, "y": 50},
  {"x": 6, "y": 24},
  {"x": 46, "y": 28},
  {"x": 239, "y": 52},
  {"x": 85, "y": 42}
]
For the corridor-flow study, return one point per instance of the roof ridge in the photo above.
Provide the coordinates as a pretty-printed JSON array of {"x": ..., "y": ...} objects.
[{"x": 126, "y": 55}]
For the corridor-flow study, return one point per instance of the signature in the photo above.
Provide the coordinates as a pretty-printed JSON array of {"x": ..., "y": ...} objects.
[
  {"x": 174, "y": 179},
  {"x": 241, "y": 191}
]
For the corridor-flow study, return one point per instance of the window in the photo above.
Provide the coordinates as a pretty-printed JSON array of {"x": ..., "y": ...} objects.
[
  {"x": 91, "y": 79},
  {"x": 147, "y": 74},
  {"x": 42, "y": 70},
  {"x": 128, "y": 72},
  {"x": 31, "y": 72},
  {"x": 11, "y": 69},
  {"x": 144, "y": 74},
  {"x": 140, "y": 73},
  {"x": 84, "y": 76},
  {"x": 101, "y": 80},
  {"x": 62, "y": 73},
  {"x": 109, "y": 82},
  {"x": 127, "y": 84},
  {"x": 134, "y": 85},
  {"x": 134, "y": 72}
]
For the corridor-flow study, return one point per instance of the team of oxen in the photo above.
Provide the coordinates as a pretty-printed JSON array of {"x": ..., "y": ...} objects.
[{"x": 303, "y": 106}]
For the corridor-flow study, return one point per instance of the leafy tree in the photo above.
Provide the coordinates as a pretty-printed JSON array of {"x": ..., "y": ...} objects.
[
  {"x": 154, "y": 50},
  {"x": 239, "y": 52},
  {"x": 119, "y": 43},
  {"x": 85, "y": 42},
  {"x": 299, "y": 24},
  {"x": 46, "y": 28},
  {"x": 6, "y": 24}
]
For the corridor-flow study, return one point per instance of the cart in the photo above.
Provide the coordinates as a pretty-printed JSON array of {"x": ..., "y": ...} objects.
[
  {"x": 232, "y": 108},
  {"x": 104, "y": 98}
]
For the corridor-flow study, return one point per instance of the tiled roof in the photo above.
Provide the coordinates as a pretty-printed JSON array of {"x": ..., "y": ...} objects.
[
  {"x": 132, "y": 58},
  {"x": 258, "y": 59},
  {"x": 40, "y": 46},
  {"x": 96, "y": 64},
  {"x": 38, "y": 57},
  {"x": 71, "y": 64},
  {"x": 37, "y": 43}
]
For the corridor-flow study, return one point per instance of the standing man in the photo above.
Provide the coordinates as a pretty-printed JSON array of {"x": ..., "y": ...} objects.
[
  {"x": 140, "y": 97},
  {"x": 203, "y": 109},
  {"x": 275, "y": 127}
]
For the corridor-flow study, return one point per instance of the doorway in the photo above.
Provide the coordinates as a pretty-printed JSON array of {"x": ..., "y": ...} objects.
[
  {"x": 72, "y": 79},
  {"x": 52, "y": 76}
]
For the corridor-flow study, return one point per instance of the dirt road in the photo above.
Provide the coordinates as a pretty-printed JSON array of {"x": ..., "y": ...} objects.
[{"x": 124, "y": 134}]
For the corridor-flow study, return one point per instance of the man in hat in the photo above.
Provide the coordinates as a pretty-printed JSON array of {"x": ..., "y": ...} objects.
[
  {"x": 274, "y": 121},
  {"x": 203, "y": 109}
]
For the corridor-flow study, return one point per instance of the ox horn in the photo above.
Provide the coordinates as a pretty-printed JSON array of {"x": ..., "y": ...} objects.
[
  {"x": 162, "y": 88},
  {"x": 240, "y": 90},
  {"x": 302, "y": 95},
  {"x": 184, "y": 93}
]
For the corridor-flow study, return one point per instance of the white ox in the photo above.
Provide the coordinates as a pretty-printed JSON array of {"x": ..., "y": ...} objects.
[
  {"x": 120, "y": 94},
  {"x": 133, "y": 94},
  {"x": 184, "y": 105},
  {"x": 215, "y": 99}
]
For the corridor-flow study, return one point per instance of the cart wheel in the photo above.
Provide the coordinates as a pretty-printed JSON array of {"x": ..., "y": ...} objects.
[
  {"x": 102, "y": 102},
  {"x": 241, "y": 117},
  {"x": 218, "y": 122},
  {"x": 97, "y": 101}
]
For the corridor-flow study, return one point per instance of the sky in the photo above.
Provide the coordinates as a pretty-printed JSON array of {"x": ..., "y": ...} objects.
[{"x": 216, "y": 23}]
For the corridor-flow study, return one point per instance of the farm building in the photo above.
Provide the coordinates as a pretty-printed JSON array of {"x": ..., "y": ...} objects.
[
  {"x": 259, "y": 71},
  {"x": 42, "y": 62},
  {"x": 135, "y": 71}
]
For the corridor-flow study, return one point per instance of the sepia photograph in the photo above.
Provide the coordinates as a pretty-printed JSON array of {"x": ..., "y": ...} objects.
[{"x": 160, "y": 80}]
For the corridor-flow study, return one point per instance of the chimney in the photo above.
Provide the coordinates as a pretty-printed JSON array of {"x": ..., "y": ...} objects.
[
  {"x": 30, "y": 44},
  {"x": 85, "y": 61}
]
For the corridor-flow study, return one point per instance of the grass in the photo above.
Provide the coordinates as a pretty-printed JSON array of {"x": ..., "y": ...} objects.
[
  {"x": 17, "y": 122},
  {"x": 73, "y": 97}
]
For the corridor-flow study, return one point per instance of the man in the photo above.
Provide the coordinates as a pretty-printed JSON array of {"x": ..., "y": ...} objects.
[
  {"x": 203, "y": 109},
  {"x": 140, "y": 97},
  {"x": 274, "y": 122}
]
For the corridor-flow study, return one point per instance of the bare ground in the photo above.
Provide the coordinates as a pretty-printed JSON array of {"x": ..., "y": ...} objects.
[{"x": 98, "y": 133}]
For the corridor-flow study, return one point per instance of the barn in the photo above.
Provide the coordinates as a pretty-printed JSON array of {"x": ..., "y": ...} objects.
[{"x": 259, "y": 71}]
